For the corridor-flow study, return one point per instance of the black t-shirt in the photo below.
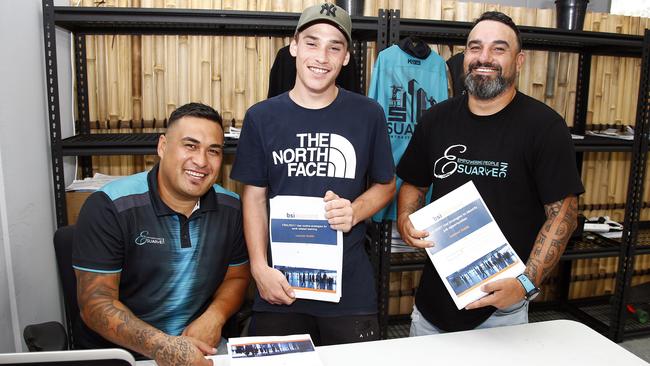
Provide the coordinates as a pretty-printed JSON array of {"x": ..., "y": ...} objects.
[
  {"x": 293, "y": 150},
  {"x": 520, "y": 159},
  {"x": 170, "y": 266},
  {"x": 455, "y": 65}
]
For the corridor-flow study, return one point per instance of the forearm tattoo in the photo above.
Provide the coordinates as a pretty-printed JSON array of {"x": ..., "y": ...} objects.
[
  {"x": 561, "y": 221},
  {"x": 416, "y": 205},
  {"x": 105, "y": 314}
]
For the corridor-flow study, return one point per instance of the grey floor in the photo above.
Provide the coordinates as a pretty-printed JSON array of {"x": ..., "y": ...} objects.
[{"x": 640, "y": 346}]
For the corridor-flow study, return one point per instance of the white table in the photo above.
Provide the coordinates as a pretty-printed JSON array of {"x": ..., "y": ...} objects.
[{"x": 557, "y": 342}]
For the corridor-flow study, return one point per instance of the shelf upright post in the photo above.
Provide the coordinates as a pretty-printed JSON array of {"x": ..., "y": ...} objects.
[
  {"x": 582, "y": 99},
  {"x": 384, "y": 275},
  {"x": 579, "y": 127},
  {"x": 634, "y": 198},
  {"x": 82, "y": 98},
  {"x": 387, "y": 35},
  {"x": 53, "y": 113},
  {"x": 393, "y": 28}
]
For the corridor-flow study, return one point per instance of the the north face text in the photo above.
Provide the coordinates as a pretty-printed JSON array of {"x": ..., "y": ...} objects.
[{"x": 320, "y": 155}]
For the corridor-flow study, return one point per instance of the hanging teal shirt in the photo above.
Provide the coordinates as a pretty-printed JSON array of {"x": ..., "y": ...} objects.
[{"x": 405, "y": 86}]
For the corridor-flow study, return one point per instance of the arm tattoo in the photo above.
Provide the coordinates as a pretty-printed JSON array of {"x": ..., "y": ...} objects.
[
  {"x": 103, "y": 312},
  {"x": 418, "y": 204},
  {"x": 561, "y": 221}
]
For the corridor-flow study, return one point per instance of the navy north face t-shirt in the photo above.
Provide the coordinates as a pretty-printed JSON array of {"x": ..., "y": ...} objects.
[{"x": 293, "y": 150}]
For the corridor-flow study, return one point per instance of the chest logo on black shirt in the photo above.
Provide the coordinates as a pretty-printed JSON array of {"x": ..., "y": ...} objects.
[
  {"x": 450, "y": 164},
  {"x": 318, "y": 155},
  {"x": 144, "y": 238}
]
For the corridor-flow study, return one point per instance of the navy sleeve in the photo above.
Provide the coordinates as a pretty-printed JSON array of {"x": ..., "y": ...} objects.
[
  {"x": 250, "y": 166},
  {"x": 412, "y": 167},
  {"x": 382, "y": 165},
  {"x": 239, "y": 254},
  {"x": 98, "y": 242},
  {"x": 554, "y": 162}
]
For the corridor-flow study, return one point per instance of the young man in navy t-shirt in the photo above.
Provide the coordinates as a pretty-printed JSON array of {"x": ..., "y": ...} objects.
[{"x": 316, "y": 140}]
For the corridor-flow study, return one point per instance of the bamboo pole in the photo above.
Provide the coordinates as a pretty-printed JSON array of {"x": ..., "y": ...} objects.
[
  {"x": 171, "y": 76},
  {"x": 183, "y": 70},
  {"x": 370, "y": 8},
  {"x": 148, "y": 75},
  {"x": 435, "y": 10},
  {"x": 540, "y": 58},
  {"x": 422, "y": 9},
  {"x": 217, "y": 48}
]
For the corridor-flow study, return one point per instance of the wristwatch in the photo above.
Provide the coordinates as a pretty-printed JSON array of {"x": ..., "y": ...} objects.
[{"x": 531, "y": 290}]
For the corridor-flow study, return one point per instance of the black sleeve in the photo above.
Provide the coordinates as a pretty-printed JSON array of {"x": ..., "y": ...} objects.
[
  {"x": 412, "y": 166},
  {"x": 555, "y": 168},
  {"x": 98, "y": 241},
  {"x": 347, "y": 79},
  {"x": 455, "y": 65},
  {"x": 239, "y": 254},
  {"x": 250, "y": 165},
  {"x": 283, "y": 73}
]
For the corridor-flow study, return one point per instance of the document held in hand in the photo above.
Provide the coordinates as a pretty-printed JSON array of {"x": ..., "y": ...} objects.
[
  {"x": 470, "y": 250},
  {"x": 305, "y": 249}
]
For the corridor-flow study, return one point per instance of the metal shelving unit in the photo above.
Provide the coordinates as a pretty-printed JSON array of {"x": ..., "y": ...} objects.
[
  {"x": 634, "y": 241},
  {"x": 385, "y": 29},
  {"x": 83, "y": 21}
]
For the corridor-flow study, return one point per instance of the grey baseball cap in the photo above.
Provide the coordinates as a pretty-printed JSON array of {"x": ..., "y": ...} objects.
[{"x": 329, "y": 13}]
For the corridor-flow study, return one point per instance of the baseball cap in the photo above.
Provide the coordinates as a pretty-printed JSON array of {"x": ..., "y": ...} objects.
[{"x": 329, "y": 13}]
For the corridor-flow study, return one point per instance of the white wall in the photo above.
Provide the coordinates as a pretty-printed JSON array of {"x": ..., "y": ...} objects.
[{"x": 28, "y": 275}]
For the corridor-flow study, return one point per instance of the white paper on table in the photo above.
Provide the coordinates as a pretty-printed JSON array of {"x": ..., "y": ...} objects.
[
  {"x": 470, "y": 250},
  {"x": 91, "y": 184},
  {"x": 304, "y": 247},
  {"x": 286, "y": 351}
]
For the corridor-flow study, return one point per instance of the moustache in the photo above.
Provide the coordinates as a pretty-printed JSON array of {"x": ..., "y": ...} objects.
[{"x": 477, "y": 64}]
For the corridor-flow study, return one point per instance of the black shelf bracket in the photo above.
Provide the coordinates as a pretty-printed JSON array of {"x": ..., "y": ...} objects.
[
  {"x": 634, "y": 198},
  {"x": 83, "y": 114},
  {"x": 393, "y": 27},
  {"x": 53, "y": 113}
]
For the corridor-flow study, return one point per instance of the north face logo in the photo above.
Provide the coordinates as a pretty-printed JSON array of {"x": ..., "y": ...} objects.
[{"x": 319, "y": 155}]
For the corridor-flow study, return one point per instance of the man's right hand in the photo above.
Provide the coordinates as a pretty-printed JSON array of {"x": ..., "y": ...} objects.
[
  {"x": 185, "y": 351},
  {"x": 273, "y": 286},
  {"x": 410, "y": 235}
]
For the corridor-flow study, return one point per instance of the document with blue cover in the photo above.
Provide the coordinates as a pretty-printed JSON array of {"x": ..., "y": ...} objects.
[
  {"x": 305, "y": 248},
  {"x": 470, "y": 250}
]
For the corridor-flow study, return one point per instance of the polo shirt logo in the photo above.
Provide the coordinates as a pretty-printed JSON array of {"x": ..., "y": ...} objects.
[
  {"x": 329, "y": 8},
  {"x": 144, "y": 238}
]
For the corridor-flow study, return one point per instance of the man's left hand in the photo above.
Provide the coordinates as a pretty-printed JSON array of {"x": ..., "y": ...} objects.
[
  {"x": 338, "y": 212},
  {"x": 501, "y": 294},
  {"x": 205, "y": 328}
]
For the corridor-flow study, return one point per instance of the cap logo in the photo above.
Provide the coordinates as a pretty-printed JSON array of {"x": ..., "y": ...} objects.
[{"x": 330, "y": 9}]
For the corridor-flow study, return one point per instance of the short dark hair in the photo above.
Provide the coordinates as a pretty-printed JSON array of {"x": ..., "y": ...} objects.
[
  {"x": 498, "y": 16},
  {"x": 195, "y": 110}
]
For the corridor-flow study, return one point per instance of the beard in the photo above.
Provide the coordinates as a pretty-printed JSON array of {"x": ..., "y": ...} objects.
[{"x": 483, "y": 87}]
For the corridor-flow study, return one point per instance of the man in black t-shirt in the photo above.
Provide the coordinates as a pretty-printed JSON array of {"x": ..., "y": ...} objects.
[
  {"x": 159, "y": 256},
  {"x": 518, "y": 153}
]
